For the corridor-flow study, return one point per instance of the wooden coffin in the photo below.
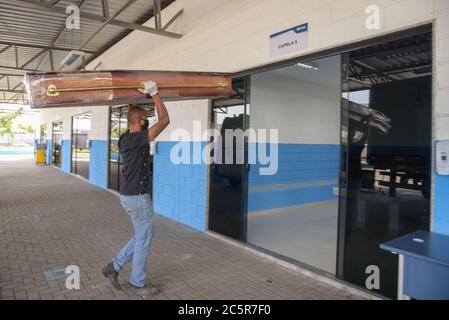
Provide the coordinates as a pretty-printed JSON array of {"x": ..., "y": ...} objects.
[{"x": 92, "y": 88}]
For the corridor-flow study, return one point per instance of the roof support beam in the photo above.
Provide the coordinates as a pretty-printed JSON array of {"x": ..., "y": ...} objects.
[
  {"x": 52, "y": 63},
  {"x": 123, "y": 8},
  {"x": 98, "y": 18},
  {"x": 5, "y": 48},
  {"x": 405, "y": 67},
  {"x": 37, "y": 46},
  {"x": 50, "y": 51},
  {"x": 157, "y": 14},
  {"x": 12, "y": 91},
  {"x": 19, "y": 69},
  {"x": 403, "y": 50},
  {"x": 13, "y": 97},
  {"x": 105, "y": 7},
  {"x": 32, "y": 58},
  {"x": 25, "y": 64},
  {"x": 172, "y": 20},
  {"x": 16, "y": 52},
  {"x": 11, "y": 74},
  {"x": 13, "y": 101}
]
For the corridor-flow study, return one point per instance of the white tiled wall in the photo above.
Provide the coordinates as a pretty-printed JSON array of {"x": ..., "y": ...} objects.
[{"x": 182, "y": 116}]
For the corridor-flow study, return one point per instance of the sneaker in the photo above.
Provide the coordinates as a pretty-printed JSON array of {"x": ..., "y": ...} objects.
[
  {"x": 145, "y": 290},
  {"x": 110, "y": 273}
]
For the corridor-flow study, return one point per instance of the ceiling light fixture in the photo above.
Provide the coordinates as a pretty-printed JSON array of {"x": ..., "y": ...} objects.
[{"x": 308, "y": 66}]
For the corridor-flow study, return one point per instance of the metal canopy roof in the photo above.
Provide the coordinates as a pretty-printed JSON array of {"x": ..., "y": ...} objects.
[
  {"x": 391, "y": 61},
  {"x": 34, "y": 36}
]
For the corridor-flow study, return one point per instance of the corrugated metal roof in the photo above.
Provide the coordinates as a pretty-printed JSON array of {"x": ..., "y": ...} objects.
[{"x": 29, "y": 27}]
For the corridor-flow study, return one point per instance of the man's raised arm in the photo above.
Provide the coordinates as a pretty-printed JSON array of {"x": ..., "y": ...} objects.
[{"x": 150, "y": 87}]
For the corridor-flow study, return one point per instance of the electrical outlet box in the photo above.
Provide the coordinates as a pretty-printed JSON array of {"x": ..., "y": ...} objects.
[{"x": 443, "y": 158}]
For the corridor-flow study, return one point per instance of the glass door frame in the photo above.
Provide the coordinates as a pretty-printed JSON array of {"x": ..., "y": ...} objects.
[
  {"x": 53, "y": 125},
  {"x": 73, "y": 153},
  {"x": 344, "y": 182},
  {"x": 343, "y": 51},
  {"x": 109, "y": 148},
  {"x": 245, "y": 168}
]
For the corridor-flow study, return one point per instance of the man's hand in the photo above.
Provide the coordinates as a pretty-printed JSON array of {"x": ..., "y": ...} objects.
[{"x": 149, "y": 87}]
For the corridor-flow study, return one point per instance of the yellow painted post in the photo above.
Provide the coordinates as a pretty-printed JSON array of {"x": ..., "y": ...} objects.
[{"x": 41, "y": 154}]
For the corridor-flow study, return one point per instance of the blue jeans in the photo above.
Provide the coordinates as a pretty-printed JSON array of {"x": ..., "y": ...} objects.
[{"x": 140, "y": 210}]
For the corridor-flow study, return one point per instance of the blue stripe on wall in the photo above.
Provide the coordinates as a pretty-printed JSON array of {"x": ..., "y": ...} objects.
[
  {"x": 297, "y": 163},
  {"x": 441, "y": 215},
  {"x": 98, "y": 164},
  {"x": 66, "y": 157},
  {"x": 179, "y": 191},
  {"x": 49, "y": 152},
  {"x": 16, "y": 151}
]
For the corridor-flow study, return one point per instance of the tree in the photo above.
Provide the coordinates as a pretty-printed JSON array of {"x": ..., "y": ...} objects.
[
  {"x": 28, "y": 128},
  {"x": 7, "y": 121}
]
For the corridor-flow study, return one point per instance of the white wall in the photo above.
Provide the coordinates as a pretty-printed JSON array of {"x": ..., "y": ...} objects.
[
  {"x": 100, "y": 121},
  {"x": 182, "y": 116},
  {"x": 233, "y": 35},
  {"x": 441, "y": 69}
]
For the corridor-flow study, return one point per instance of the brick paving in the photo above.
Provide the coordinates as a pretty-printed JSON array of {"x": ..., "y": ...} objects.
[{"x": 49, "y": 220}]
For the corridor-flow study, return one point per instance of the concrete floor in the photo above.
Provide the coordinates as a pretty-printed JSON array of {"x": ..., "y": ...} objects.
[{"x": 50, "y": 220}]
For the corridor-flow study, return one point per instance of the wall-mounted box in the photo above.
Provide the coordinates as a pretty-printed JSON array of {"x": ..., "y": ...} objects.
[{"x": 442, "y": 156}]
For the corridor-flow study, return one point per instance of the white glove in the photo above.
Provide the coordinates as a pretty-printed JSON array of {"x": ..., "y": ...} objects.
[{"x": 149, "y": 87}]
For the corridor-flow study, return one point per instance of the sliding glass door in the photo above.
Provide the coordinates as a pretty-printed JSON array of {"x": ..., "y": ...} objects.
[
  {"x": 293, "y": 208},
  {"x": 386, "y": 155}
]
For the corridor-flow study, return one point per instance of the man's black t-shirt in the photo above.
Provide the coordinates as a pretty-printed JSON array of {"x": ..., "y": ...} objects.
[{"x": 135, "y": 154}]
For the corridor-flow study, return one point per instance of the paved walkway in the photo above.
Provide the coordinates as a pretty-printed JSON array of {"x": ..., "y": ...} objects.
[{"x": 50, "y": 220}]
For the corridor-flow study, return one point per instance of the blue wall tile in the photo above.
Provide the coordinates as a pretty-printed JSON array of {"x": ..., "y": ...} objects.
[
  {"x": 441, "y": 214},
  {"x": 179, "y": 191},
  {"x": 66, "y": 157},
  {"x": 98, "y": 165}
]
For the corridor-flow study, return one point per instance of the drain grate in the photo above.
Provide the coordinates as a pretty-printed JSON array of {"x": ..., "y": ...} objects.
[
  {"x": 55, "y": 274},
  {"x": 31, "y": 216}
]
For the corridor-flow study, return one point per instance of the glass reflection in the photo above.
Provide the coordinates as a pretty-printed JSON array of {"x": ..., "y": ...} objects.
[
  {"x": 57, "y": 143},
  {"x": 386, "y": 134},
  {"x": 294, "y": 212}
]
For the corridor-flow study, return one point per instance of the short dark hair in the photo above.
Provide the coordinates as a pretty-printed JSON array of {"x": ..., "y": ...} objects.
[{"x": 136, "y": 113}]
